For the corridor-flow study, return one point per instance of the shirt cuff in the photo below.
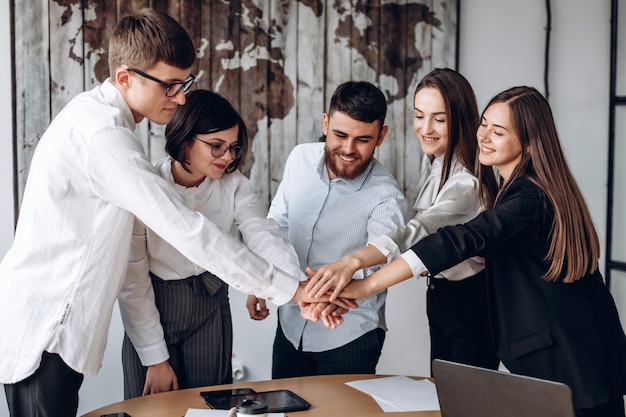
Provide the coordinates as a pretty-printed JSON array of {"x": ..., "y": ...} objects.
[
  {"x": 282, "y": 289},
  {"x": 386, "y": 246},
  {"x": 415, "y": 263},
  {"x": 153, "y": 354}
]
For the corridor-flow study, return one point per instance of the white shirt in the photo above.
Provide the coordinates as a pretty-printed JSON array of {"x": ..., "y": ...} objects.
[
  {"x": 230, "y": 203},
  {"x": 326, "y": 220},
  {"x": 59, "y": 281},
  {"x": 457, "y": 202}
]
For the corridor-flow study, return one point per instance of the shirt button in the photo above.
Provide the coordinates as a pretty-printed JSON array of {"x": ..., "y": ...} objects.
[{"x": 270, "y": 298}]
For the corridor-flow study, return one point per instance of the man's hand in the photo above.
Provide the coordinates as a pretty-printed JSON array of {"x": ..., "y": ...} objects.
[
  {"x": 160, "y": 378},
  {"x": 331, "y": 314},
  {"x": 257, "y": 308}
]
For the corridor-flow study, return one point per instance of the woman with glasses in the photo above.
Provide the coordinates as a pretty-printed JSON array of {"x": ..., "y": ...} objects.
[{"x": 206, "y": 141}]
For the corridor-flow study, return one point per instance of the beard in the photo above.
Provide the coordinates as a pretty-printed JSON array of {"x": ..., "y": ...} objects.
[{"x": 342, "y": 172}]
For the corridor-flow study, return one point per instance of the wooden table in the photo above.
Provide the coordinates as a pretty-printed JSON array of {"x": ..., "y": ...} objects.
[{"x": 328, "y": 394}]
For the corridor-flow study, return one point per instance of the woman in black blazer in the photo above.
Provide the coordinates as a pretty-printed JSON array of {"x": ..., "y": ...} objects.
[{"x": 552, "y": 315}]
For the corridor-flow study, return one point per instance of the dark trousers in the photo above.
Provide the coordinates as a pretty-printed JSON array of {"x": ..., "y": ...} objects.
[
  {"x": 52, "y": 391},
  {"x": 458, "y": 316},
  {"x": 196, "y": 320},
  {"x": 357, "y": 357},
  {"x": 614, "y": 408}
]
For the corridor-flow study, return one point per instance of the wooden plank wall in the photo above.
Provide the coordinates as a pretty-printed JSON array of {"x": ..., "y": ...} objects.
[{"x": 277, "y": 61}]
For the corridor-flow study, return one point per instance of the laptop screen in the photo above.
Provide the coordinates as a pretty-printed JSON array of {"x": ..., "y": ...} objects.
[{"x": 469, "y": 391}]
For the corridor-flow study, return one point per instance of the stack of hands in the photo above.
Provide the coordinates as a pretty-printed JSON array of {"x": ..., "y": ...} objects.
[{"x": 328, "y": 294}]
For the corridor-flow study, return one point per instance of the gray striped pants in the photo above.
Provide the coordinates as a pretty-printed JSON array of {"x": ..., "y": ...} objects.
[{"x": 196, "y": 320}]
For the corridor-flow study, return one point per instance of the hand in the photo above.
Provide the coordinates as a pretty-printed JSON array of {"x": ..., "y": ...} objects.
[
  {"x": 301, "y": 295},
  {"x": 160, "y": 378},
  {"x": 358, "y": 288},
  {"x": 345, "y": 303},
  {"x": 257, "y": 308},
  {"x": 331, "y": 314},
  {"x": 331, "y": 278},
  {"x": 397, "y": 271}
]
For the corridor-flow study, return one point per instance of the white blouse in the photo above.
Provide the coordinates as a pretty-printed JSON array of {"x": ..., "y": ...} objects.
[
  {"x": 457, "y": 202},
  {"x": 231, "y": 203},
  {"x": 228, "y": 202}
]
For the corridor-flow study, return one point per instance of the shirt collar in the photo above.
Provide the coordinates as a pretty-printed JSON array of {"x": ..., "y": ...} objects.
[
  {"x": 113, "y": 95},
  {"x": 436, "y": 166}
]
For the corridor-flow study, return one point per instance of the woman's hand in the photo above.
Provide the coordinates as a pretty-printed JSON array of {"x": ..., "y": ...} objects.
[
  {"x": 391, "y": 274},
  {"x": 358, "y": 288},
  {"x": 331, "y": 278}
]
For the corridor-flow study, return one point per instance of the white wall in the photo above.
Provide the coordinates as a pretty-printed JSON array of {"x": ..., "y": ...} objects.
[{"x": 501, "y": 45}]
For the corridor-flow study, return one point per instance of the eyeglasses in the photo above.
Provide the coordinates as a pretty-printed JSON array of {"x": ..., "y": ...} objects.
[
  {"x": 170, "y": 89},
  {"x": 219, "y": 149}
]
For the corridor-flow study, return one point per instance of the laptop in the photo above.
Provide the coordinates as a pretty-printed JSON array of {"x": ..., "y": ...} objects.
[{"x": 469, "y": 391}]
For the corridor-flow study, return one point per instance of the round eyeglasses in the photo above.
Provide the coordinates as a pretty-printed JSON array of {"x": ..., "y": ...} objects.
[
  {"x": 218, "y": 149},
  {"x": 171, "y": 89}
]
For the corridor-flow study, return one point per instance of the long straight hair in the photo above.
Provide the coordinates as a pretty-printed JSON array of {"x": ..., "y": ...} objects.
[
  {"x": 574, "y": 245},
  {"x": 463, "y": 121}
]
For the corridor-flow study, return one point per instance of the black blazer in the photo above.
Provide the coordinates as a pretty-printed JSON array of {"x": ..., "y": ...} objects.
[{"x": 568, "y": 333}]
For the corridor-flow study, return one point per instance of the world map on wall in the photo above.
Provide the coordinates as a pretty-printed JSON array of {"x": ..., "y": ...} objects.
[
  {"x": 359, "y": 25},
  {"x": 354, "y": 31},
  {"x": 246, "y": 52}
]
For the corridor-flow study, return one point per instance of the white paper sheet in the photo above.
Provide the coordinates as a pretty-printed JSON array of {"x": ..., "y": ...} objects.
[
  {"x": 205, "y": 412},
  {"x": 400, "y": 393}
]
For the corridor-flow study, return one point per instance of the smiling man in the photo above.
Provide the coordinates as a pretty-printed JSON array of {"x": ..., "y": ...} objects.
[{"x": 333, "y": 198}]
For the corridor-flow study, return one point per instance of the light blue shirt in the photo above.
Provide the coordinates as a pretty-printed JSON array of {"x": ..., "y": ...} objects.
[{"x": 326, "y": 220}]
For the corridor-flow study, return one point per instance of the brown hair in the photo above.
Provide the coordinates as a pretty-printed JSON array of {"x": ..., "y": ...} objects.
[
  {"x": 360, "y": 100},
  {"x": 463, "y": 121},
  {"x": 574, "y": 245},
  {"x": 143, "y": 39}
]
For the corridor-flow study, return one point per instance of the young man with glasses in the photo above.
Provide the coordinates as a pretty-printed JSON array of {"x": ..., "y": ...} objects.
[{"x": 88, "y": 181}]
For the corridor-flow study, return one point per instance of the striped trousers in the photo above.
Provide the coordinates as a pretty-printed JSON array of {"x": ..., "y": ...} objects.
[{"x": 196, "y": 320}]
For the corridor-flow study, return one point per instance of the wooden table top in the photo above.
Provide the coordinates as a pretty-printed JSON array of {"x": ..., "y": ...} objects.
[{"x": 328, "y": 394}]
